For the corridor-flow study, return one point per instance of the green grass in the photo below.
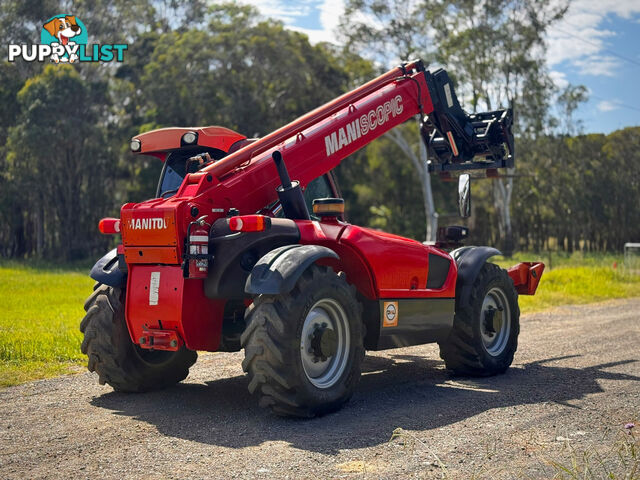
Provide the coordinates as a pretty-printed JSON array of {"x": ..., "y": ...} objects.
[
  {"x": 555, "y": 260},
  {"x": 40, "y": 311},
  {"x": 571, "y": 285},
  {"x": 41, "y": 306},
  {"x": 576, "y": 279}
]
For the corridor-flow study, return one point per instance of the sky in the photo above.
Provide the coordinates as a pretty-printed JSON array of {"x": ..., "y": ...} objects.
[{"x": 597, "y": 45}]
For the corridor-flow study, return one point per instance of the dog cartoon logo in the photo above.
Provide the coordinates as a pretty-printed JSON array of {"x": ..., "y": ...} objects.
[
  {"x": 66, "y": 31},
  {"x": 64, "y": 39}
]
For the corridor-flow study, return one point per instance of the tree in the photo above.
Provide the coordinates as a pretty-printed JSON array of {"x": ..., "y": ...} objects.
[
  {"x": 241, "y": 71},
  {"x": 569, "y": 100},
  {"x": 58, "y": 162},
  {"x": 497, "y": 50},
  {"x": 12, "y": 230},
  {"x": 493, "y": 49},
  {"x": 391, "y": 32}
]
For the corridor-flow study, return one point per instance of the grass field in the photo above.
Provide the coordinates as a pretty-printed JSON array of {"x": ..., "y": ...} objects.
[
  {"x": 40, "y": 311},
  {"x": 41, "y": 307},
  {"x": 576, "y": 279}
]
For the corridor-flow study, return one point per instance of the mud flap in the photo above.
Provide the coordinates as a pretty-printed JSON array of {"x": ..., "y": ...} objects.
[
  {"x": 470, "y": 261},
  {"x": 107, "y": 272},
  {"x": 278, "y": 271}
]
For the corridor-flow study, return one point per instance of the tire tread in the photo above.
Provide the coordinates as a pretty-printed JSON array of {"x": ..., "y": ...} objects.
[
  {"x": 463, "y": 353},
  {"x": 269, "y": 342}
]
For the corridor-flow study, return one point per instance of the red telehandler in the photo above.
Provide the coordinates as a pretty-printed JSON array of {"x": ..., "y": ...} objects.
[{"x": 232, "y": 254}]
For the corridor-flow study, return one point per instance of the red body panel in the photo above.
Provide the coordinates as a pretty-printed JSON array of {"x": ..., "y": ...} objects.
[
  {"x": 351, "y": 261},
  {"x": 137, "y": 220},
  {"x": 381, "y": 265},
  {"x": 171, "y": 302},
  {"x": 162, "y": 255},
  {"x": 526, "y": 277},
  {"x": 151, "y": 230}
]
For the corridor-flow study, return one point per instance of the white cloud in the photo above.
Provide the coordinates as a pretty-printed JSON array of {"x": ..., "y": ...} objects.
[
  {"x": 598, "y": 65},
  {"x": 288, "y": 12},
  {"x": 330, "y": 13},
  {"x": 580, "y": 38},
  {"x": 607, "y": 106},
  {"x": 316, "y": 35},
  {"x": 291, "y": 12},
  {"x": 559, "y": 78},
  {"x": 622, "y": 8}
]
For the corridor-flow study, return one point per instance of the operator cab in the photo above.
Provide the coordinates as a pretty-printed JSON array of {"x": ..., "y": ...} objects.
[{"x": 177, "y": 166}]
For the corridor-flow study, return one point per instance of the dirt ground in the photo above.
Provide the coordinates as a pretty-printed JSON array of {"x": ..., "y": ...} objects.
[{"x": 574, "y": 384}]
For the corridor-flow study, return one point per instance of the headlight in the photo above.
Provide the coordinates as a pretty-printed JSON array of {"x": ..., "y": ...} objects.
[{"x": 189, "y": 138}]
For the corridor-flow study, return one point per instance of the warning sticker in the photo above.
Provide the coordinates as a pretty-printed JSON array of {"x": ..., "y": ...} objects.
[
  {"x": 154, "y": 286},
  {"x": 447, "y": 93},
  {"x": 452, "y": 143},
  {"x": 390, "y": 314}
]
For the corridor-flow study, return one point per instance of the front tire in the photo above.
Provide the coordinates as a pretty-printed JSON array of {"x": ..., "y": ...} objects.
[
  {"x": 303, "y": 349},
  {"x": 115, "y": 358},
  {"x": 485, "y": 332}
]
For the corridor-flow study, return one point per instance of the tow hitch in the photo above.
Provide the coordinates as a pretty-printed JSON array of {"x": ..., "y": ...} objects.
[{"x": 156, "y": 339}]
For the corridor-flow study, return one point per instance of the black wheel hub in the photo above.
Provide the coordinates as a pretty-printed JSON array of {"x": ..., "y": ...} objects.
[
  {"x": 324, "y": 342},
  {"x": 492, "y": 320}
]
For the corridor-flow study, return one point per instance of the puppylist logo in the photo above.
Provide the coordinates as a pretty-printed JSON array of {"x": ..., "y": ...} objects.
[{"x": 64, "y": 39}]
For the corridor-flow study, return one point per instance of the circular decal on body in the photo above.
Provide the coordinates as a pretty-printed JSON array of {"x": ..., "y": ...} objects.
[{"x": 390, "y": 311}]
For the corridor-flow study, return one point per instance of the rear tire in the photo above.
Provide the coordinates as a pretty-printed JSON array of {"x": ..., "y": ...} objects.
[
  {"x": 303, "y": 349},
  {"x": 485, "y": 332},
  {"x": 115, "y": 358}
]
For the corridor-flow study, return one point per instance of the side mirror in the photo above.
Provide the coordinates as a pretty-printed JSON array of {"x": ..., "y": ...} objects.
[{"x": 464, "y": 195}]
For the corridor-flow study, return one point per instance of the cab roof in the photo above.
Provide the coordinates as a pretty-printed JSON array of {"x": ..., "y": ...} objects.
[{"x": 167, "y": 139}]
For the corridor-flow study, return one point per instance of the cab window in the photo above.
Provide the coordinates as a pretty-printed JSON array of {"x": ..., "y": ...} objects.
[{"x": 175, "y": 169}]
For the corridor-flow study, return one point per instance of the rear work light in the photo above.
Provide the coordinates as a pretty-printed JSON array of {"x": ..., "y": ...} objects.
[
  {"x": 109, "y": 226},
  {"x": 189, "y": 138},
  {"x": 249, "y": 223},
  {"x": 135, "y": 145}
]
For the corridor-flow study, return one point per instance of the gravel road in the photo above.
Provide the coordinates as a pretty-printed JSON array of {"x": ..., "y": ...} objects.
[{"x": 574, "y": 384}]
